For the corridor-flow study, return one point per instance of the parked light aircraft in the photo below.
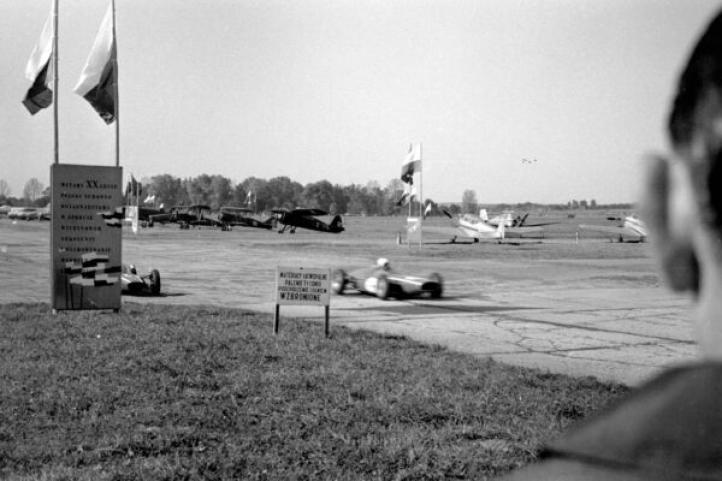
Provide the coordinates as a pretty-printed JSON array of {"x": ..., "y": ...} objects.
[
  {"x": 306, "y": 218},
  {"x": 194, "y": 215},
  {"x": 237, "y": 216},
  {"x": 468, "y": 226},
  {"x": 632, "y": 229},
  {"x": 145, "y": 214},
  {"x": 507, "y": 218}
]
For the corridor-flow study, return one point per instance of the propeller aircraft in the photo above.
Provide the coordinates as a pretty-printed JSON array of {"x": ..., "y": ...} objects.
[{"x": 307, "y": 219}]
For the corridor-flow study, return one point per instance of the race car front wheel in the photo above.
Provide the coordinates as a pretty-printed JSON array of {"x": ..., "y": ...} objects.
[{"x": 155, "y": 282}]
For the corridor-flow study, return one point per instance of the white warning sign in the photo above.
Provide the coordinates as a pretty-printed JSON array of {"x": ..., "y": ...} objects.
[{"x": 303, "y": 285}]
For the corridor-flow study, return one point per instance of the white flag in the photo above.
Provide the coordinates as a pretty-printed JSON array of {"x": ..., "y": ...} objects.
[
  {"x": 98, "y": 83},
  {"x": 39, "y": 70}
]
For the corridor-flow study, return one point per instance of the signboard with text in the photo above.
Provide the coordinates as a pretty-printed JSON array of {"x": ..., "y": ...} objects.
[
  {"x": 85, "y": 240},
  {"x": 303, "y": 285}
]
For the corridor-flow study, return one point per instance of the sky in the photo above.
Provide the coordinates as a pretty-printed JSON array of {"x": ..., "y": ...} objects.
[{"x": 337, "y": 89}]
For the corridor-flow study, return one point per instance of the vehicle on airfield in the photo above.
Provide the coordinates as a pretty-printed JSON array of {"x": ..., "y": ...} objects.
[
  {"x": 238, "y": 216},
  {"x": 633, "y": 229},
  {"x": 383, "y": 282},
  {"x": 133, "y": 283},
  {"x": 29, "y": 213},
  {"x": 508, "y": 218},
  {"x": 145, "y": 213},
  {"x": 306, "y": 219},
  {"x": 473, "y": 227},
  {"x": 187, "y": 216}
]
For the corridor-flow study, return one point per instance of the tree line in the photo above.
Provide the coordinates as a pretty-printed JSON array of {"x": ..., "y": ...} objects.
[{"x": 262, "y": 195}]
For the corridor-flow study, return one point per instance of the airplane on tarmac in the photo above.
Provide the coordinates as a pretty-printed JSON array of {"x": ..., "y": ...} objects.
[
  {"x": 468, "y": 226},
  {"x": 632, "y": 229},
  {"x": 145, "y": 213},
  {"x": 306, "y": 218},
  {"x": 507, "y": 218},
  {"x": 237, "y": 216},
  {"x": 185, "y": 217}
]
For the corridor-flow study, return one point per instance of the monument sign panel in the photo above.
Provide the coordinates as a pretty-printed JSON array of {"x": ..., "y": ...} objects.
[{"x": 86, "y": 236}]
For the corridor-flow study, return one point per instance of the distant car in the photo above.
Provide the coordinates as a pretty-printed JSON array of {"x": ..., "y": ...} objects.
[
  {"x": 134, "y": 283},
  {"x": 383, "y": 282}
]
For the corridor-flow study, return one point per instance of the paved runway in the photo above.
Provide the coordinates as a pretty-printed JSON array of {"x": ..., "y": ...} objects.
[{"x": 607, "y": 317}]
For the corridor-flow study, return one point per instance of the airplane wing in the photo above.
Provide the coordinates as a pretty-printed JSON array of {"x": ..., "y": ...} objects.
[
  {"x": 622, "y": 233},
  {"x": 307, "y": 212},
  {"x": 524, "y": 232},
  {"x": 235, "y": 210},
  {"x": 448, "y": 233}
]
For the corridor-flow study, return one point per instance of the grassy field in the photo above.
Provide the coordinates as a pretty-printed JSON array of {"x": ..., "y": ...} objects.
[{"x": 179, "y": 392}]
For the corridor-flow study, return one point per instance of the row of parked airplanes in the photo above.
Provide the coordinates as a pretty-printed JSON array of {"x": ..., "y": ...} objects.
[
  {"x": 229, "y": 217},
  {"x": 464, "y": 226}
]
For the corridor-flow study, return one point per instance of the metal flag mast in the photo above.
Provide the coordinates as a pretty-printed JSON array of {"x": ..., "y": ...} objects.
[
  {"x": 117, "y": 89},
  {"x": 421, "y": 196},
  {"x": 56, "y": 148}
]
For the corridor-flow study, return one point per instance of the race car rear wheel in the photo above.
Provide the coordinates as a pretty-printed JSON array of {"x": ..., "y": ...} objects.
[
  {"x": 338, "y": 281},
  {"x": 382, "y": 287},
  {"x": 155, "y": 282},
  {"x": 437, "y": 292}
]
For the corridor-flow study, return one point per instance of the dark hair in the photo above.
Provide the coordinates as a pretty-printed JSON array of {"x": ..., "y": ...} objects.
[{"x": 697, "y": 110}]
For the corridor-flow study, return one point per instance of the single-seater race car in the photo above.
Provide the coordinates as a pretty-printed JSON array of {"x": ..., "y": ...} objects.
[
  {"x": 383, "y": 282},
  {"x": 134, "y": 283}
]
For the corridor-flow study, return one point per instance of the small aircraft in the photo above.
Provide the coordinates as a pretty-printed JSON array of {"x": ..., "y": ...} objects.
[
  {"x": 632, "y": 229},
  {"x": 469, "y": 226},
  {"x": 507, "y": 218},
  {"x": 145, "y": 214},
  {"x": 237, "y": 216},
  {"x": 306, "y": 218},
  {"x": 185, "y": 217}
]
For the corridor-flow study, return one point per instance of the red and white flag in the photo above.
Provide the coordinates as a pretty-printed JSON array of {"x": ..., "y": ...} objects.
[
  {"x": 98, "y": 83},
  {"x": 39, "y": 70}
]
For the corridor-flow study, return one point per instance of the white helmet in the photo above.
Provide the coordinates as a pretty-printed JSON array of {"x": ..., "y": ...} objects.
[{"x": 383, "y": 262}]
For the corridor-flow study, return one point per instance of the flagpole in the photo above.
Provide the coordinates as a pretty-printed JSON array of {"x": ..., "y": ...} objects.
[
  {"x": 56, "y": 143},
  {"x": 117, "y": 88},
  {"x": 421, "y": 196}
]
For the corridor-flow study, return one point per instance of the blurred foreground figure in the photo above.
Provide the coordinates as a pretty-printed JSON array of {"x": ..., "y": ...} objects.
[{"x": 670, "y": 428}]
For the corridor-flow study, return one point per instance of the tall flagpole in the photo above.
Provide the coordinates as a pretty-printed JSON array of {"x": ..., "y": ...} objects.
[
  {"x": 56, "y": 143},
  {"x": 117, "y": 88},
  {"x": 421, "y": 196}
]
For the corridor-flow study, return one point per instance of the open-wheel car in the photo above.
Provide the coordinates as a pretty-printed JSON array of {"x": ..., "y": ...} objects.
[
  {"x": 134, "y": 283},
  {"x": 383, "y": 282}
]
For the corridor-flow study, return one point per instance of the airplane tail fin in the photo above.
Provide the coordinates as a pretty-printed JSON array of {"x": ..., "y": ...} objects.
[
  {"x": 483, "y": 215},
  {"x": 337, "y": 223}
]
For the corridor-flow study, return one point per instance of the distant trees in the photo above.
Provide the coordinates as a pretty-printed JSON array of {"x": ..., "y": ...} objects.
[
  {"x": 4, "y": 189},
  {"x": 32, "y": 190}
]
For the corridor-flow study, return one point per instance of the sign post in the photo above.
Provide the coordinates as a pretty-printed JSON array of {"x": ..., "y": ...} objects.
[
  {"x": 302, "y": 286},
  {"x": 86, "y": 235}
]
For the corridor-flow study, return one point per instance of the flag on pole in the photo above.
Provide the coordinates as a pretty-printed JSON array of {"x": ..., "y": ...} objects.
[
  {"x": 98, "y": 83},
  {"x": 407, "y": 196},
  {"x": 412, "y": 163},
  {"x": 39, "y": 70}
]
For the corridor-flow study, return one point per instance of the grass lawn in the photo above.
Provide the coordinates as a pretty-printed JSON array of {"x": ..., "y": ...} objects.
[{"x": 176, "y": 392}]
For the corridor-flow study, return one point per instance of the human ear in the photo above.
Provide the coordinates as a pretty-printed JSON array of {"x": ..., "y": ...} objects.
[{"x": 665, "y": 208}]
